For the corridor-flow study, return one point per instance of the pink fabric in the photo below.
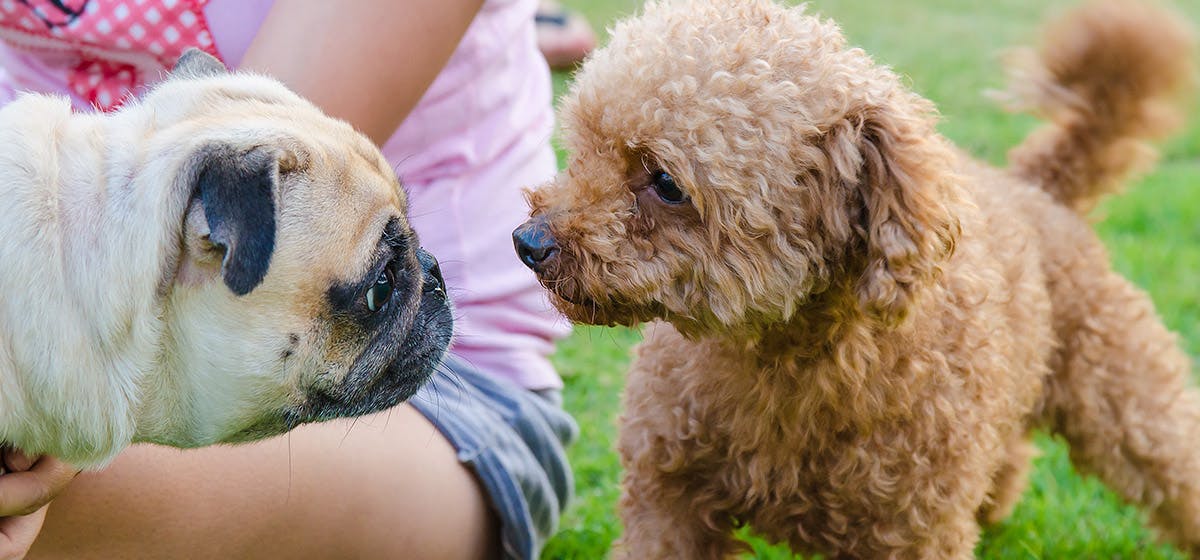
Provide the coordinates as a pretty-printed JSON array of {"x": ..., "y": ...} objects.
[
  {"x": 477, "y": 137},
  {"x": 116, "y": 43}
]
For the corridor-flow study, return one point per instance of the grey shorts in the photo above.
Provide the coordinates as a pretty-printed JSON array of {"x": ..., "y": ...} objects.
[{"x": 513, "y": 439}]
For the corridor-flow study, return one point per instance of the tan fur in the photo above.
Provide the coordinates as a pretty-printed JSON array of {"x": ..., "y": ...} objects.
[
  {"x": 1096, "y": 137},
  {"x": 856, "y": 325}
]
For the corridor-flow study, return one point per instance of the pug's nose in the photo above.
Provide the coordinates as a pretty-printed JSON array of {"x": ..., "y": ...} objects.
[
  {"x": 535, "y": 244},
  {"x": 434, "y": 283}
]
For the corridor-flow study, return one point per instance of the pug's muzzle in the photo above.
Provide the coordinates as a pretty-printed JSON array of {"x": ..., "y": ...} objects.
[{"x": 395, "y": 364}]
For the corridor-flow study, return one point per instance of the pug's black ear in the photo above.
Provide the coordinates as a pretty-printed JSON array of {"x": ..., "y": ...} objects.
[
  {"x": 236, "y": 188},
  {"x": 195, "y": 63}
]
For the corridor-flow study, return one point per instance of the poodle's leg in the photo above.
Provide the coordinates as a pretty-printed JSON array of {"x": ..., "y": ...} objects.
[
  {"x": 1121, "y": 397},
  {"x": 661, "y": 522},
  {"x": 672, "y": 502},
  {"x": 924, "y": 529},
  {"x": 940, "y": 523},
  {"x": 915, "y": 495},
  {"x": 956, "y": 539},
  {"x": 1009, "y": 482}
]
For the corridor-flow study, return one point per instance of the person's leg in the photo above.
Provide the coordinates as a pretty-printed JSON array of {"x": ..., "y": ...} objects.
[
  {"x": 564, "y": 36},
  {"x": 514, "y": 439},
  {"x": 383, "y": 486}
]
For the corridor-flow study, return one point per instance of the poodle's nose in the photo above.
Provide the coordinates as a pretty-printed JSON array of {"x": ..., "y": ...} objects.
[{"x": 535, "y": 244}]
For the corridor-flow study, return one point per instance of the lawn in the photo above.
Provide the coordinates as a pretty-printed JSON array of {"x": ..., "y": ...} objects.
[{"x": 948, "y": 50}]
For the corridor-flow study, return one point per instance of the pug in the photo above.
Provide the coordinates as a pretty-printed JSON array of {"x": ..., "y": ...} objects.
[{"x": 217, "y": 262}]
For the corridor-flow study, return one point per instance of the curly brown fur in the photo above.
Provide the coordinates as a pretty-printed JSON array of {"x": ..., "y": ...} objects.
[
  {"x": 855, "y": 325},
  {"x": 1108, "y": 79}
]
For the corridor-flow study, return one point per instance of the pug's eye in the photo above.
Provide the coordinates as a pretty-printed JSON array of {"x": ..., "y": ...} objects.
[
  {"x": 665, "y": 187},
  {"x": 380, "y": 292}
]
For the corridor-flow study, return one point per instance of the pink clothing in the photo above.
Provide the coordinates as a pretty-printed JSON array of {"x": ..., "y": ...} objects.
[
  {"x": 106, "y": 47},
  {"x": 477, "y": 137}
]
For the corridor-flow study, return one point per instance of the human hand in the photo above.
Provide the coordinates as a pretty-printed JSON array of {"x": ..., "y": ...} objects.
[{"x": 27, "y": 484}]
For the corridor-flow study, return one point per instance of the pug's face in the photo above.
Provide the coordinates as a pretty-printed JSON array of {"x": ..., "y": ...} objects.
[{"x": 300, "y": 292}]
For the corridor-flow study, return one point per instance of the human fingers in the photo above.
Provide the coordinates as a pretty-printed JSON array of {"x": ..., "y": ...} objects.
[
  {"x": 24, "y": 492},
  {"x": 17, "y": 460},
  {"x": 18, "y": 533}
]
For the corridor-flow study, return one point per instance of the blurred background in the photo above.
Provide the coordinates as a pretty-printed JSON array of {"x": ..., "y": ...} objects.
[{"x": 949, "y": 52}]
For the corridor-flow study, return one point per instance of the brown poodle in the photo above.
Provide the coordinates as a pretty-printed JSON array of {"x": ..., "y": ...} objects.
[{"x": 856, "y": 325}]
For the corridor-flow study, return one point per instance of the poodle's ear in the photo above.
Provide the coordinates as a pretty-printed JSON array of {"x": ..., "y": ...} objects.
[{"x": 904, "y": 185}]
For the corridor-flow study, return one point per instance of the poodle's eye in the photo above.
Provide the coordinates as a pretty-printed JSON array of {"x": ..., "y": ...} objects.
[{"x": 667, "y": 190}]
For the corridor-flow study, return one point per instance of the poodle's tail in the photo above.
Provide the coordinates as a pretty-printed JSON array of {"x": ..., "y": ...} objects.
[{"x": 1109, "y": 77}]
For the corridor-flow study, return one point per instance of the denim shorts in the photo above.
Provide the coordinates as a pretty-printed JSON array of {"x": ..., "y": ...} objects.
[{"x": 514, "y": 440}]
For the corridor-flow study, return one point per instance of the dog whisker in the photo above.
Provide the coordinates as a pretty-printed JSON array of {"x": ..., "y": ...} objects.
[
  {"x": 288, "y": 498},
  {"x": 353, "y": 422}
]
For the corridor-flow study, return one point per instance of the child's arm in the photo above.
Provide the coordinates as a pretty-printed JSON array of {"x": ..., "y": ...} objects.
[{"x": 368, "y": 61}]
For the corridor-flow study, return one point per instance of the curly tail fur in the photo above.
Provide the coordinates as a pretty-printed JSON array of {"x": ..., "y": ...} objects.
[{"x": 1109, "y": 77}]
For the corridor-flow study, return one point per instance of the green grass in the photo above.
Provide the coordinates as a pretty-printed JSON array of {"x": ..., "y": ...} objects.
[{"x": 949, "y": 51}]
